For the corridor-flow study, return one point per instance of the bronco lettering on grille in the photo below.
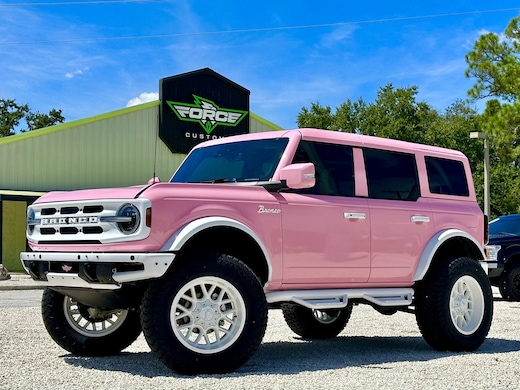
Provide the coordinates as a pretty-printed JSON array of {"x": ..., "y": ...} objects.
[{"x": 69, "y": 220}]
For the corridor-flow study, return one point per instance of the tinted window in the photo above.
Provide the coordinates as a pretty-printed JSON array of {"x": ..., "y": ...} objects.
[
  {"x": 334, "y": 167},
  {"x": 505, "y": 225},
  {"x": 238, "y": 161},
  {"x": 446, "y": 177},
  {"x": 391, "y": 175}
]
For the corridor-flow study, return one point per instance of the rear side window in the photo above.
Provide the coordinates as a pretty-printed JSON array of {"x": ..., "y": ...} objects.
[
  {"x": 446, "y": 177},
  {"x": 391, "y": 175}
]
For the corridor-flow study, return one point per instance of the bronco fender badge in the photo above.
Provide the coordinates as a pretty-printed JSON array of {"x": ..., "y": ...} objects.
[{"x": 265, "y": 210}]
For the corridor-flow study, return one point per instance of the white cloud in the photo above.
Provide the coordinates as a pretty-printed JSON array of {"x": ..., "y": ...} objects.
[
  {"x": 340, "y": 35},
  {"x": 75, "y": 73},
  {"x": 143, "y": 98}
]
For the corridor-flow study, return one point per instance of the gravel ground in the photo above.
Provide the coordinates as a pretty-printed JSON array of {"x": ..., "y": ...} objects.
[{"x": 374, "y": 351}]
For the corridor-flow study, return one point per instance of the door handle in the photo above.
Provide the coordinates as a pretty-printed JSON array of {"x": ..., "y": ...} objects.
[
  {"x": 419, "y": 218},
  {"x": 354, "y": 215}
]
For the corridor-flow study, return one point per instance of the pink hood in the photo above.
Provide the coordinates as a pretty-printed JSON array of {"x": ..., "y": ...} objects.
[{"x": 100, "y": 193}]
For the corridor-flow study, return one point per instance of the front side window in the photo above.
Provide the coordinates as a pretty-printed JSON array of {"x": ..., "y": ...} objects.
[
  {"x": 446, "y": 177},
  {"x": 391, "y": 175},
  {"x": 247, "y": 161},
  {"x": 334, "y": 168}
]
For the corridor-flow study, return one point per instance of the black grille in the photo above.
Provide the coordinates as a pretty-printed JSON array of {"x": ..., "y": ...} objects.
[
  {"x": 92, "y": 209},
  {"x": 69, "y": 210},
  {"x": 50, "y": 211},
  {"x": 68, "y": 230},
  {"x": 92, "y": 230}
]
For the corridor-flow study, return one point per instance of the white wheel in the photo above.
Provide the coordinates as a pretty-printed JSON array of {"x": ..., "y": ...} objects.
[
  {"x": 85, "y": 330},
  {"x": 315, "y": 324},
  {"x": 92, "y": 322},
  {"x": 325, "y": 317},
  {"x": 208, "y": 314},
  {"x": 467, "y": 305},
  {"x": 454, "y": 305}
]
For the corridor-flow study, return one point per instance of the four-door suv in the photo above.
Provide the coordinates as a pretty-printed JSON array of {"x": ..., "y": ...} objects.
[
  {"x": 309, "y": 221},
  {"x": 503, "y": 255}
]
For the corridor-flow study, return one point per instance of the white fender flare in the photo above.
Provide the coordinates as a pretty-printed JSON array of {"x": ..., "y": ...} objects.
[
  {"x": 182, "y": 236},
  {"x": 434, "y": 244}
]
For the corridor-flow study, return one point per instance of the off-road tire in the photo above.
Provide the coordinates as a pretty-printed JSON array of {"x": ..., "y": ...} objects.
[
  {"x": 70, "y": 326},
  {"x": 208, "y": 316},
  {"x": 315, "y": 324},
  {"x": 454, "y": 305},
  {"x": 509, "y": 284}
]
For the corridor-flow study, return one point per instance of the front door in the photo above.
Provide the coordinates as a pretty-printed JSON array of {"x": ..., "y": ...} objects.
[{"x": 326, "y": 229}]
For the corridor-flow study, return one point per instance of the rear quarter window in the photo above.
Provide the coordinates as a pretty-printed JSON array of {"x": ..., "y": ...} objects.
[{"x": 446, "y": 177}]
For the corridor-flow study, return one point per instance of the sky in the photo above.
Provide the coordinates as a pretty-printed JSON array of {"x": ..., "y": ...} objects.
[{"x": 90, "y": 57}]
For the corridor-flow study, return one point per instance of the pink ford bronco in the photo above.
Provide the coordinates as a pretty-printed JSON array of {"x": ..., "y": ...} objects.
[{"x": 309, "y": 221}]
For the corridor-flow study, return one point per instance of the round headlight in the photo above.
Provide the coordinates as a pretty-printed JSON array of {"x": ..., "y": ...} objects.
[
  {"x": 128, "y": 218},
  {"x": 30, "y": 221}
]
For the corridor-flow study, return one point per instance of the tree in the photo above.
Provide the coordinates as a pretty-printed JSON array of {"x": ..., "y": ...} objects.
[
  {"x": 12, "y": 114},
  {"x": 316, "y": 117},
  {"x": 394, "y": 114},
  {"x": 38, "y": 121},
  {"x": 494, "y": 62},
  {"x": 397, "y": 114}
]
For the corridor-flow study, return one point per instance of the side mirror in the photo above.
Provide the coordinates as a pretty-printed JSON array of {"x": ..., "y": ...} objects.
[{"x": 298, "y": 176}]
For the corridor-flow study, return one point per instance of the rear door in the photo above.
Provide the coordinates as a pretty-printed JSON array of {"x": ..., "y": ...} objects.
[{"x": 400, "y": 220}]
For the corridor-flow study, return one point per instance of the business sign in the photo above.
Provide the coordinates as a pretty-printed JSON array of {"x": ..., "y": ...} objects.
[{"x": 200, "y": 106}]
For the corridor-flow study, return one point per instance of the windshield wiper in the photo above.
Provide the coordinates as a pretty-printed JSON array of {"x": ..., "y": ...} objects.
[{"x": 220, "y": 180}]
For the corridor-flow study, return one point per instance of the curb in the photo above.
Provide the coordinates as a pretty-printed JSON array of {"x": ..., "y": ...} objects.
[
  {"x": 19, "y": 281},
  {"x": 17, "y": 287}
]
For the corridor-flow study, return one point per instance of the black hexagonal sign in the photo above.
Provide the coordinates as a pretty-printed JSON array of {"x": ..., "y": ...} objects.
[{"x": 199, "y": 106}]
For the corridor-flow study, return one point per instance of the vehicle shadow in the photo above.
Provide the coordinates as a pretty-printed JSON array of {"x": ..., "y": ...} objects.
[
  {"x": 287, "y": 358},
  {"x": 343, "y": 352}
]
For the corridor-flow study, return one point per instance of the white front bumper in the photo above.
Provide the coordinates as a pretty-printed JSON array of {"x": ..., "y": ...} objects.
[{"x": 154, "y": 265}]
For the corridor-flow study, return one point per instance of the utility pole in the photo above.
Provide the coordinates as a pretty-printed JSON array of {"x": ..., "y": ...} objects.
[{"x": 484, "y": 136}]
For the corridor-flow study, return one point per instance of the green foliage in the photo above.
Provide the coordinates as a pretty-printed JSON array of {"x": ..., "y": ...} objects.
[
  {"x": 502, "y": 124},
  {"x": 348, "y": 117},
  {"x": 38, "y": 121},
  {"x": 397, "y": 114},
  {"x": 12, "y": 115},
  {"x": 505, "y": 187},
  {"x": 494, "y": 63},
  {"x": 315, "y": 117}
]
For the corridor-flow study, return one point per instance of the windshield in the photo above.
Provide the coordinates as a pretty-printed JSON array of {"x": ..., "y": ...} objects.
[
  {"x": 505, "y": 226},
  {"x": 232, "y": 162}
]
